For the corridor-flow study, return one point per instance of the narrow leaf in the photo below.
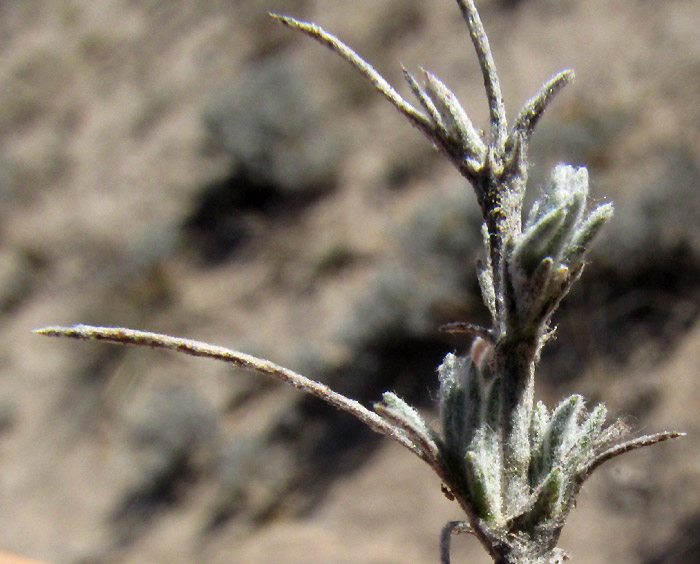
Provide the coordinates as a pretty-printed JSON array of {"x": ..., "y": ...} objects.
[
  {"x": 456, "y": 122},
  {"x": 532, "y": 111},
  {"x": 314, "y": 31},
  {"x": 585, "y": 234},
  {"x": 424, "y": 99},
  {"x": 123, "y": 336},
  {"x": 397, "y": 411}
]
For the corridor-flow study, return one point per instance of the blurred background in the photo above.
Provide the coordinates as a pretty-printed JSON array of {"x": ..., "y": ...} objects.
[{"x": 196, "y": 169}]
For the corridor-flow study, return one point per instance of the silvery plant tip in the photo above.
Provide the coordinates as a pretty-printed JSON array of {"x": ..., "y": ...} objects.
[{"x": 514, "y": 466}]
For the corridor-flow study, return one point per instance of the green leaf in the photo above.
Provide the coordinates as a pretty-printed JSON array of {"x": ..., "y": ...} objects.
[
  {"x": 585, "y": 234},
  {"x": 532, "y": 247},
  {"x": 561, "y": 433},
  {"x": 461, "y": 398},
  {"x": 404, "y": 412}
]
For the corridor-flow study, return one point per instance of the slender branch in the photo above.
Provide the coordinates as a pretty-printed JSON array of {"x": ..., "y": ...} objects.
[
  {"x": 468, "y": 329},
  {"x": 499, "y": 124},
  {"x": 417, "y": 118},
  {"x": 122, "y": 336},
  {"x": 627, "y": 446},
  {"x": 451, "y": 528}
]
